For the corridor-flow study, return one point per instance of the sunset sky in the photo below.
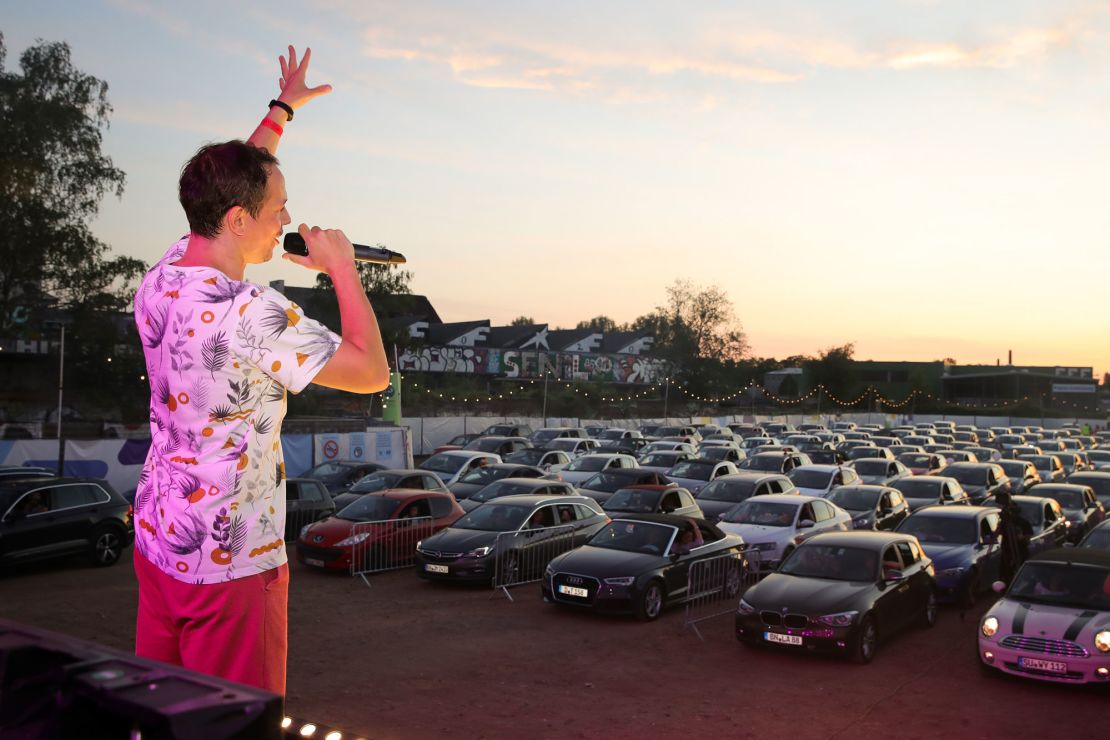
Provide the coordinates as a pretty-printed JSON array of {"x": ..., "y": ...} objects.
[{"x": 925, "y": 178}]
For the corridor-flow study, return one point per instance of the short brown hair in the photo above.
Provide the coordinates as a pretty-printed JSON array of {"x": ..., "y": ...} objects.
[{"x": 219, "y": 177}]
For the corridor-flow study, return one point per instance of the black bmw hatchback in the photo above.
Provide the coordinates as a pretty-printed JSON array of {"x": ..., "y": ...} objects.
[{"x": 56, "y": 517}]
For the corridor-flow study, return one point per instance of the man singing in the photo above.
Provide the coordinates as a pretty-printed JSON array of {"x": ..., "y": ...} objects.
[{"x": 221, "y": 353}]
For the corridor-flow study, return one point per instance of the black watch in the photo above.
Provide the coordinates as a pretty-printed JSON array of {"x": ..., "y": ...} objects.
[{"x": 285, "y": 107}]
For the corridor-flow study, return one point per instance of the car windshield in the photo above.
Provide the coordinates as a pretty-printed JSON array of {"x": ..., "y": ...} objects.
[
  {"x": 607, "y": 481},
  {"x": 485, "y": 475},
  {"x": 811, "y": 478},
  {"x": 872, "y": 467},
  {"x": 327, "y": 470},
  {"x": 953, "y": 530},
  {"x": 375, "y": 482},
  {"x": 918, "y": 488},
  {"x": 732, "y": 491},
  {"x": 612, "y": 434},
  {"x": 633, "y": 501},
  {"x": 1066, "y": 498},
  {"x": 854, "y": 499},
  {"x": 1013, "y": 468},
  {"x": 1040, "y": 462},
  {"x": 531, "y": 456},
  {"x": 1033, "y": 511},
  {"x": 494, "y": 518},
  {"x": 545, "y": 435},
  {"x": 1098, "y": 539},
  {"x": 502, "y": 488},
  {"x": 588, "y": 464},
  {"x": 630, "y": 536},
  {"x": 766, "y": 463},
  {"x": 669, "y": 432},
  {"x": 1067, "y": 584},
  {"x": 499, "y": 431},
  {"x": 967, "y": 476},
  {"x": 914, "y": 460},
  {"x": 444, "y": 463},
  {"x": 716, "y": 453},
  {"x": 369, "y": 509},
  {"x": 765, "y": 513},
  {"x": 658, "y": 460},
  {"x": 692, "y": 469},
  {"x": 832, "y": 562},
  {"x": 486, "y": 444}
]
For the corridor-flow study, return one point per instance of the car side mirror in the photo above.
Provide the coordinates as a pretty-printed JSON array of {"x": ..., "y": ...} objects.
[
  {"x": 805, "y": 524},
  {"x": 893, "y": 576},
  {"x": 998, "y": 586}
]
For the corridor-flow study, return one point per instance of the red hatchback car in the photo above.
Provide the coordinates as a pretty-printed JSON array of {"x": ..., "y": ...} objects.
[{"x": 330, "y": 543}]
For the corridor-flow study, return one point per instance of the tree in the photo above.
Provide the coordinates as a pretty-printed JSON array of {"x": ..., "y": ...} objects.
[
  {"x": 836, "y": 370},
  {"x": 377, "y": 280},
  {"x": 695, "y": 323},
  {"x": 53, "y": 176},
  {"x": 522, "y": 321},
  {"x": 600, "y": 324}
]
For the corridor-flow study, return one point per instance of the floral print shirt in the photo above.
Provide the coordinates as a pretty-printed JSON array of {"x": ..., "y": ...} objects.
[{"x": 220, "y": 356}]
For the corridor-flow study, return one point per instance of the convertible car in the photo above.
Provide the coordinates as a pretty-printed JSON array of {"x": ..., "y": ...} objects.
[
  {"x": 1053, "y": 623},
  {"x": 638, "y": 563}
]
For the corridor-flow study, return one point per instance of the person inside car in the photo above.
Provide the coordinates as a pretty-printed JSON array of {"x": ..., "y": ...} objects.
[
  {"x": 688, "y": 539},
  {"x": 33, "y": 504}
]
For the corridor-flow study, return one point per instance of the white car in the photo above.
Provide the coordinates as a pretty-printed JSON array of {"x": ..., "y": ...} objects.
[
  {"x": 1053, "y": 622},
  {"x": 820, "y": 480},
  {"x": 694, "y": 474},
  {"x": 454, "y": 464},
  {"x": 573, "y": 446},
  {"x": 774, "y": 525},
  {"x": 583, "y": 467},
  {"x": 666, "y": 445}
]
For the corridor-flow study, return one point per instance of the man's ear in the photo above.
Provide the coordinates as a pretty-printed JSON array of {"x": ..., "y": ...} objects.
[{"x": 235, "y": 220}]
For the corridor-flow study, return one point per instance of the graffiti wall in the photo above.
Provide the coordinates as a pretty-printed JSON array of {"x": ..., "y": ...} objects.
[{"x": 527, "y": 364}]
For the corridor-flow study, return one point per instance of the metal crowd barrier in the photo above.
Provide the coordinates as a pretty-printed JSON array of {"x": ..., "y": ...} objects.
[
  {"x": 390, "y": 544},
  {"x": 296, "y": 519},
  {"x": 714, "y": 586},
  {"x": 520, "y": 557}
]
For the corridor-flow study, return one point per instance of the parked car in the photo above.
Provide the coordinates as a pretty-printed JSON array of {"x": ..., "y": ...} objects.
[
  {"x": 661, "y": 461},
  {"x": 450, "y": 466},
  {"x": 330, "y": 544},
  {"x": 499, "y": 445},
  {"x": 480, "y": 477},
  {"x": 517, "y": 487},
  {"x": 1053, "y": 622},
  {"x": 468, "y": 549},
  {"x": 652, "y": 499},
  {"x": 665, "y": 445},
  {"x": 543, "y": 437},
  {"x": 720, "y": 495},
  {"x": 507, "y": 430},
  {"x": 877, "y": 508},
  {"x": 1097, "y": 481},
  {"x": 1082, "y": 509},
  {"x": 922, "y": 463},
  {"x": 42, "y": 518},
  {"x": 456, "y": 443},
  {"x": 614, "y": 434},
  {"x": 820, "y": 480},
  {"x": 841, "y": 592},
  {"x": 964, "y": 543},
  {"x": 775, "y": 462},
  {"x": 728, "y": 454},
  {"x": 1050, "y": 527},
  {"x": 693, "y": 474},
  {"x": 626, "y": 446},
  {"x": 1049, "y": 467},
  {"x": 1021, "y": 473},
  {"x": 985, "y": 454},
  {"x": 390, "y": 478},
  {"x": 604, "y": 484},
  {"x": 981, "y": 481},
  {"x": 880, "y": 471},
  {"x": 573, "y": 446},
  {"x": 22, "y": 472},
  {"x": 775, "y": 524},
  {"x": 339, "y": 475},
  {"x": 633, "y": 564},
  {"x": 306, "y": 501},
  {"x": 1098, "y": 538},
  {"x": 827, "y": 457},
  {"x": 926, "y": 490},
  {"x": 548, "y": 460},
  {"x": 584, "y": 467}
]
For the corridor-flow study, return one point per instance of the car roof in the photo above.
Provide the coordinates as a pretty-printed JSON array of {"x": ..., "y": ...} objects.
[
  {"x": 26, "y": 484},
  {"x": 651, "y": 487},
  {"x": 672, "y": 520},
  {"x": 754, "y": 477},
  {"x": 859, "y": 538},
  {"x": 1062, "y": 487},
  {"x": 820, "y": 468},
  {"x": 787, "y": 498},
  {"x": 970, "y": 465},
  {"x": 531, "y": 482},
  {"x": 400, "y": 494},
  {"x": 865, "y": 487},
  {"x": 955, "y": 512},
  {"x": 1092, "y": 474},
  {"x": 931, "y": 478},
  {"x": 465, "y": 453},
  {"x": 531, "y": 499},
  {"x": 1081, "y": 555}
]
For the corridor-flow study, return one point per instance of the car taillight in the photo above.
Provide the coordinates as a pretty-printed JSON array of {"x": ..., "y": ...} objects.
[{"x": 608, "y": 520}]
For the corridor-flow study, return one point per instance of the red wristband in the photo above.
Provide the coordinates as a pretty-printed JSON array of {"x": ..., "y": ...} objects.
[{"x": 275, "y": 127}]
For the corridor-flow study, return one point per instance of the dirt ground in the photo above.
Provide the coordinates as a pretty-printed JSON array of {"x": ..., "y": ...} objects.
[{"x": 410, "y": 659}]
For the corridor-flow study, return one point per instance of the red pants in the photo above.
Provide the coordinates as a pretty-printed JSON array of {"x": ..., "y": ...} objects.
[{"x": 235, "y": 630}]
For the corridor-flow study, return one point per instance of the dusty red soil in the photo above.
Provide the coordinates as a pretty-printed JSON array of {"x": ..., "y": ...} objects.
[{"x": 409, "y": 659}]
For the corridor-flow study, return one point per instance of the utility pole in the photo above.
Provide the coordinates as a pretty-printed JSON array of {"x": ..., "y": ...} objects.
[
  {"x": 61, "y": 377},
  {"x": 666, "y": 396},
  {"x": 544, "y": 412}
]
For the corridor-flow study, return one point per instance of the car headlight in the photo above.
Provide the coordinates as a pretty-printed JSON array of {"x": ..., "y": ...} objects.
[
  {"x": 622, "y": 581},
  {"x": 478, "y": 552},
  {"x": 745, "y": 607},
  {"x": 952, "y": 571},
  {"x": 861, "y": 520},
  {"x": 990, "y": 627},
  {"x": 304, "y": 529},
  {"x": 353, "y": 540},
  {"x": 548, "y": 572},
  {"x": 1102, "y": 641},
  {"x": 840, "y": 619},
  {"x": 764, "y": 546}
]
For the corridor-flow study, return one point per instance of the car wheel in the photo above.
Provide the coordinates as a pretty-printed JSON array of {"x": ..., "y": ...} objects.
[
  {"x": 732, "y": 582},
  {"x": 929, "y": 616},
  {"x": 107, "y": 546},
  {"x": 650, "y": 604},
  {"x": 510, "y": 568},
  {"x": 865, "y": 641},
  {"x": 971, "y": 590}
]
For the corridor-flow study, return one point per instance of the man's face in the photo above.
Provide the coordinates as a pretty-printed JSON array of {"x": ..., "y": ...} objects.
[{"x": 263, "y": 232}]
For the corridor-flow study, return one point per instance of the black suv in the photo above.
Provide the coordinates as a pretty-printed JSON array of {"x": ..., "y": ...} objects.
[{"x": 55, "y": 517}]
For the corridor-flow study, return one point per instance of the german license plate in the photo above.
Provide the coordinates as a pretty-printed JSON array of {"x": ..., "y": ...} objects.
[
  {"x": 314, "y": 561},
  {"x": 431, "y": 568},
  {"x": 782, "y": 639},
  {"x": 1049, "y": 666},
  {"x": 574, "y": 591}
]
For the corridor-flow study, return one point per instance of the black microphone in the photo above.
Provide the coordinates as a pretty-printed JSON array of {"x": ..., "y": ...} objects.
[{"x": 294, "y": 244}]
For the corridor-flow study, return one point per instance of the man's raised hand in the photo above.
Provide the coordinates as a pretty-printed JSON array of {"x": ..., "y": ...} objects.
[{"x": 294, "y": 90}]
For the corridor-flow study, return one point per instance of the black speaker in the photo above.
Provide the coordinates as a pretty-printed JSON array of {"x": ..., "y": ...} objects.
[{"x": 54, "y": 686}]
